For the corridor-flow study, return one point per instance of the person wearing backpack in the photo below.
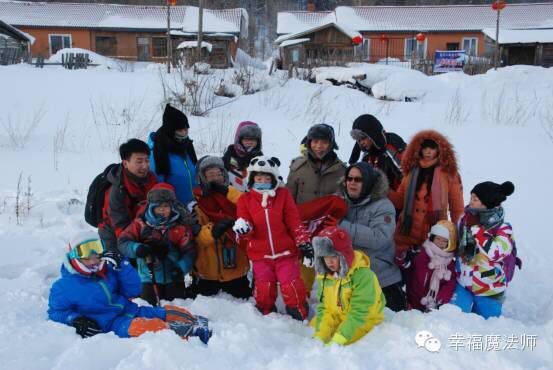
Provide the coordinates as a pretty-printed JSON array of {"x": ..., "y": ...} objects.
[
  {"x": 95, "y": 291},
  {"x": 237, "y": 157},
  {"x": 128, "y": 184},
  {"x": 161, "y": 240},
  {"x": 381, "y": 149},
  {"x": 173, "y": 157},
  {"x": 486, "y": 246}
]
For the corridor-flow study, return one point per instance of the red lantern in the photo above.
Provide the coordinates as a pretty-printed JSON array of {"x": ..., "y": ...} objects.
[
  {"x": 498, "y": 5},
  {"x": 420, "y": 37},
  {"x": 357, "y": 40},
  {"x": 172, "y": 2}
]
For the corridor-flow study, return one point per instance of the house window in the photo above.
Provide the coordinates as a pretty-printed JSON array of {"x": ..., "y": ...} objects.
[
  {"x": 470, "y": 45},
  {"x": 452, "y": 46},
  {"x": 143, "y": 49},
  {"x": 58, "y": 42},
  {"x": 413, "y": 47},
  {"x": 159, "y": 47},
  {"x": 361, "y": 51},
  {"x": 106, "y": 45},
  {"x": 295, "y": 56}
]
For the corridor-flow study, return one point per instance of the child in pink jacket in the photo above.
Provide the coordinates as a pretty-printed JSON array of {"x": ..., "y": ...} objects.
[
  {"x": 431, "y": 277},
  {"x": 270, "y": 222}
]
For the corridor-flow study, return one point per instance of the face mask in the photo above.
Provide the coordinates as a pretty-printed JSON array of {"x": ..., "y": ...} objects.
[
  {"x": 262, "y": 186},
  {"x": 180, "y": 138}
]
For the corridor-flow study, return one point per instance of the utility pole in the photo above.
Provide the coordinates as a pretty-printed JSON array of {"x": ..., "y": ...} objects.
[
  {"x": 200, "y": 28},
  {"x": 169, "y": 45}
]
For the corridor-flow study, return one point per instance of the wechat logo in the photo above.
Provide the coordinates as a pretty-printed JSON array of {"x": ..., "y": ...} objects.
[{"x": 426, "y": 339}]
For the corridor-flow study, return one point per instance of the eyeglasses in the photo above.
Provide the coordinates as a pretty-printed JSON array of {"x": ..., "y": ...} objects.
[
  {"x": 87, "y": 248},
  {"x": 354, "y": 179}
]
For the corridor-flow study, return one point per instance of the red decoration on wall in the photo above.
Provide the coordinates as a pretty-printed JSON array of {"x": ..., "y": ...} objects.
[
  {"x": 498, "y": 5},
  {"x": 357, "y": 40},
  {"x": 172, "y": 2},
  {"x": 420, "y": 37}
]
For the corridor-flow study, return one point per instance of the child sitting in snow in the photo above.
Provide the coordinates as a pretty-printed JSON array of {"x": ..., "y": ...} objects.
[
  {"x": 351, "y": 301},
  {"x": 269, "y": 220},
  {"x": 94, "y": 295},
  {"x": 161, "y": 240},
  {"x": 485, "y": 249},
  {"x": 431, "y": 276}
]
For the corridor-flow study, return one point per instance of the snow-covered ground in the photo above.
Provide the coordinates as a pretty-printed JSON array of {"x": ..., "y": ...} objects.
[{"x": 60, "y": 128}]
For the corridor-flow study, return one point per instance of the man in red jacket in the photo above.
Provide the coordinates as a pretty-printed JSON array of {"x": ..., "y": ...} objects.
[
  {"x": 130, "y": 183},
  {"x": 269, "y": 220}
]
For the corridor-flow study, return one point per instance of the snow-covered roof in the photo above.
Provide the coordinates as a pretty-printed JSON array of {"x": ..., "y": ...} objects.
[
  {"x": 422, "y": 18},
  {"x": 15, "y": 33},
  {"x": 293, "y": 42},
  {"x": 344, "y": 29},
  {"x": 292, "y": 22},
  {"x": 194, "y": 44},
  {"x": 111, "y": 16},
  {"x": 521, "y": 36}
]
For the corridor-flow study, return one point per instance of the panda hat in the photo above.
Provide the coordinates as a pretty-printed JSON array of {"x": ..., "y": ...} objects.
[{"x": 266, "y": 165}]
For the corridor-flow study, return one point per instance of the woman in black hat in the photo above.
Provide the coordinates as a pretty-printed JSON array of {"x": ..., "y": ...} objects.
[{"x": 174, "y": 158}]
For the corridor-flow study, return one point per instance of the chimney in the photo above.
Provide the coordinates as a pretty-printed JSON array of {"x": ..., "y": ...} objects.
[{"x": 311, "y": 7}]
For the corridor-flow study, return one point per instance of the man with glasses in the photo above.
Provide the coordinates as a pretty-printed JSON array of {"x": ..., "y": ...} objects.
[{"x": 370, "y": 222}]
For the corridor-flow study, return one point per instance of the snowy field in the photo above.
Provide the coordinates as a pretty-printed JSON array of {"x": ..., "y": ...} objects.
[{"x": 60, "y": 128}]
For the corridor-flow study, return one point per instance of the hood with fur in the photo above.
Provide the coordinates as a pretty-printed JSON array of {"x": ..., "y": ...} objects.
[{"x": 447, "y": 156}]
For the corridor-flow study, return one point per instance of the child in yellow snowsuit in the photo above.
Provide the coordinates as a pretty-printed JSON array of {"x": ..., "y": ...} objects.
[{"x": 351, "y": 301}]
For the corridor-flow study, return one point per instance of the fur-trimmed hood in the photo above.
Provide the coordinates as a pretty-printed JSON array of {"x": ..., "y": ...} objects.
[
  {"x": 380, "y": 188},
  {"x": 447, "y": 156}
]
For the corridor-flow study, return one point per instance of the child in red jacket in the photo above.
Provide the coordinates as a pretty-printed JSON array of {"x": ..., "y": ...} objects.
[
  {"x": 431, "y": 276},
  {"x": 269, "y": 220}
]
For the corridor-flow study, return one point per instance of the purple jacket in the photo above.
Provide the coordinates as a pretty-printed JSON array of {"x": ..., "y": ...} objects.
[{"x": 418, "y": 281}]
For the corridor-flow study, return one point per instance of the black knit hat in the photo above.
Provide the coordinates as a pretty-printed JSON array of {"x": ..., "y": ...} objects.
[
  {"x": 370, "y": 126},
  {"x": 322, "y": 131},
  {"x": 174, "y": 119},
  {"x": 491, "y": 194}
]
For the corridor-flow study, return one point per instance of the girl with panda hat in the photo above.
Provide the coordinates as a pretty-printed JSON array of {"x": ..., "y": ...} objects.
[{"x": 270, "y": 222}]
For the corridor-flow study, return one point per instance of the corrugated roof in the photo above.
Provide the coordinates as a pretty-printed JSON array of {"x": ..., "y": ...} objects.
[
  {"x": 292, "y": 22},
  {"x": 117, "y": 16},
  {"x": 425, "y": 18},
  {"x": 521, "y": 36}
]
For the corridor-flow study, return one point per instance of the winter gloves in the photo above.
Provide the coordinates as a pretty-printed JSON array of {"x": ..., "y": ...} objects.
[
  {"x": 242, "y": 227},
  {"x": 86, "y": 327},
  {"x": 113, "y": 258},
  {"x": 197, "y": 328},
  {"x": 308, "y": 255},
  {"x": 159, "y": 249},
  {"x": 221, "y": 227}
]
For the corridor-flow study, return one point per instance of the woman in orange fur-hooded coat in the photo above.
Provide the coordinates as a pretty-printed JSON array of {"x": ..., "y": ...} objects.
[{"x": 431, "y": 186}]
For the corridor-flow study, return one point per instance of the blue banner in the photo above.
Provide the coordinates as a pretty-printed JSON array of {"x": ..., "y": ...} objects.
[{"x": 449, "y": 61}]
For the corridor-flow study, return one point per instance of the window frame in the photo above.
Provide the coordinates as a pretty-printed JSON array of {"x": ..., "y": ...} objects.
[
  {"x": 475, "y": 45},
  {"x": 105, "y": 36},
  {"x": 62, "y": 35},
  {"x": 424, "y": 45},
  {"x": 154, "y": 55}
]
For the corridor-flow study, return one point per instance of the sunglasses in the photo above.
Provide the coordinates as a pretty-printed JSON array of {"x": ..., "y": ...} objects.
[
  {"x": 87, "y": 248},
  {"x": 354, "y": 179}
]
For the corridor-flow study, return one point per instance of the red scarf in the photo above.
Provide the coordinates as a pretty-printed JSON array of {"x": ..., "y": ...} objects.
[{"x": 217, "y": 207}]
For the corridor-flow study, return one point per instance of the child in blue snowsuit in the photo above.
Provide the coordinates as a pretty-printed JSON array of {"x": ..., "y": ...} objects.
[
  {"x": 485, "y": 248},
  {"x": 94, "y": 295}
]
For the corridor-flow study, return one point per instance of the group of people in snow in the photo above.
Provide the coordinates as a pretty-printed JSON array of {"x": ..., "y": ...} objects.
[{"x": 389, "y": 230}]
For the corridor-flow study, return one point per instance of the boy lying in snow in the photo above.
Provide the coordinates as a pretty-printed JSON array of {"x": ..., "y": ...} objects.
[
  {"x": 94, "y": 295},
  {"x": 351, "y": 301}
]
